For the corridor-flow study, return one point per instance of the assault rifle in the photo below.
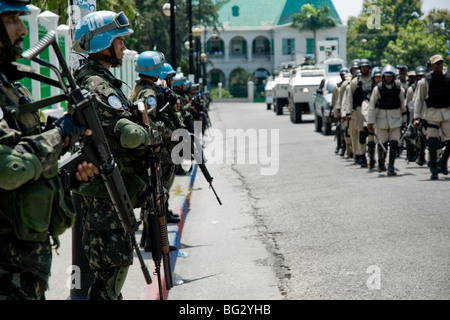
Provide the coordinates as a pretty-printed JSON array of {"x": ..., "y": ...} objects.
[
  {"x": 94, "y": 148},
  {"x": 154, "y": 213},
  {"x": 196, "y": 150}
]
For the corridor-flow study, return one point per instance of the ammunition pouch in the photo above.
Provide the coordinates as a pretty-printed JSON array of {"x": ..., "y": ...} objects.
[{"x": 41, "y": 208}]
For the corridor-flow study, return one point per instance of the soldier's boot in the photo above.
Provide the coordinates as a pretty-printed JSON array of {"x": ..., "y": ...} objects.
[
  {"x": 371, "y": 154},
  {"x": 442, "y": 162},
  {"x": 432, "y": 148},
  {"x": 348, "y": 151},
  {"x": 381, "y": 158},
  {"x": 363, "y": 161},
  {"x": 393, "y": 149},
  {"x": 343, "y": 147},
  {"x": 338, "y": 141},
  {"x": 421, "y": 157},
  {"x": 410, "y": 151}
]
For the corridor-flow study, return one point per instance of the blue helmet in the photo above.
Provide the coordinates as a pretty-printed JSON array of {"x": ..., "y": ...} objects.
[
  {"x": 150, "y": 63},
  {"x": 188, "y": 85},
  {"x": 97, "y": 30},
  {"x": 15, "y": 5},
  {"x": 179, "y": 79},
  {"x": 166, "y": 70}
]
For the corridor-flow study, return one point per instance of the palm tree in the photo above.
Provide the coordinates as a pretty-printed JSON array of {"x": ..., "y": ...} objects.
[{"x": 312, "y": 19}]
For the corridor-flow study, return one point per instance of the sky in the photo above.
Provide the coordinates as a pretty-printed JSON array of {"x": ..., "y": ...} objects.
[{"x": 347, "y": 8}]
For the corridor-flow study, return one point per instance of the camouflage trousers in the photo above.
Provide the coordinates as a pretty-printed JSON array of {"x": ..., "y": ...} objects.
[
  {"x": 108, "y": 246},
  {"x": 18, "y": 284}
]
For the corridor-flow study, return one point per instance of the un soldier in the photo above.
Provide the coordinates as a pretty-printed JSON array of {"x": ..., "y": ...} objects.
[
  {"x": 388, "y": 112},
  {"x": 107, "y": 244},
  {"x": 359, "y": 89},
  {"x": 149, "y": 66},
  {"x": 433, "y": 96},
  {"x": 32, "y": 195}
]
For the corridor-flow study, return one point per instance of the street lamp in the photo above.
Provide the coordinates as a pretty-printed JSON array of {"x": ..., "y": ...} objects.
[
  {"x": 169, "y": 11},
  {"x": 197, "y": 32},
  {"x": 204, "y": 59}
]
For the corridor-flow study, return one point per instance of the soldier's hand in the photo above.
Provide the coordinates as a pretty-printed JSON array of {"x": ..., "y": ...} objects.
[
  {"x": 68, "y": 129},
  {"x": 86, "y": 171}
]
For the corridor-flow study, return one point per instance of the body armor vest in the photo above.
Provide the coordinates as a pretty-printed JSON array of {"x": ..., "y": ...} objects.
[
  {"x": 390, "y": 98},
  {"x": 438, "y": 91},
  {"x": 360, "y": 94}
]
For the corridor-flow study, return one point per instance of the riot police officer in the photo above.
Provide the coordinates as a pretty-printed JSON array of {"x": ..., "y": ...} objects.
[
  {"x": 34, "y": 204},
  {"x": 336, "y": 109},
  {"x": 108, "y": 246},
  {"x": 432, "y": 99},
  {"x": 388, "y": 112},
  {"x": 356, "y": 93}
]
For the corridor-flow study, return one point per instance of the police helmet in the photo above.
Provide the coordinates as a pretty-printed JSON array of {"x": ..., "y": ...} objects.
[
  {"x": 97, "y": 30},
  {"x": 150, "y": 63},
  {"x": 355, "y": 63},
  {"x": 179, "y": 79},
  {"x": 15, "y": 5},
  {"x": 365, "y": 63},
  {"x": 402, "y": 68},
  {"x": 344, "y": 71},
  {"x": 166, "y": 70},
  {"x": 376, "y": 71},
  {"x": 388, "y": 70},
  {"x": 421, "y": 70}
]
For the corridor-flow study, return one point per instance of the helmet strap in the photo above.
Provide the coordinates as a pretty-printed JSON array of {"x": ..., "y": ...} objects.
[{"x": 113, "y": 60}]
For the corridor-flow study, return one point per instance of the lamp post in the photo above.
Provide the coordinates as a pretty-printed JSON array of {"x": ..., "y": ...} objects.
[
  {"x": 197, "y": 32},
  {"x": 169, "y": 11},
  {"x": 190, "y": 47},
  {"x": 204, "y": 59}
]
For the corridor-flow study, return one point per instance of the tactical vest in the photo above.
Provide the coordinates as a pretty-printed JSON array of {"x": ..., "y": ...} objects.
[
  {"x": 438, "y": 91},
  {"x": 389, "y": 98},
  {"x": 360, "y": 94}
]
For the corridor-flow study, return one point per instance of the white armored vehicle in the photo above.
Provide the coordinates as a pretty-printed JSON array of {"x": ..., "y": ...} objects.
[
  {"x": 280, "y": 91},
  {"x": 268, "y": 91},
  {"x": 303, "y": 84}
]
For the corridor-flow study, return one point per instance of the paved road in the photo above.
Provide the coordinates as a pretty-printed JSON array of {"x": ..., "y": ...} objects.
[{"x": 320, "y": 228}]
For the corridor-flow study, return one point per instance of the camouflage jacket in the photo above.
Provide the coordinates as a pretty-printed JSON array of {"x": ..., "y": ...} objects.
[
  {"x": 112, "y": 105},
  {"x": 25, "y": 129}
]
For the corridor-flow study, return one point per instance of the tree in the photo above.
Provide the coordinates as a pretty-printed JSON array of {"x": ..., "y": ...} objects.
[
  {"x": 365, "y": 37},
  {"x": 414, "y": 45},
  {"x": 312, "y": 19}
]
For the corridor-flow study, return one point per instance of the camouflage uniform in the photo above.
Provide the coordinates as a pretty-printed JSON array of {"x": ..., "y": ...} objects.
[
  {"x": 25, "y": 227},
  {"x": 152, "y": 95},
  {"x": 107, "y": 244}
]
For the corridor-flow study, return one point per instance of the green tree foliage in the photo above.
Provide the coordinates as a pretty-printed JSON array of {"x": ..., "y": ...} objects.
[
  {"x": 312, "y": 19},
  {"x": 414, "y": 45},
  {"x": 240, "y": 77},
  {"x": 152, "y": 27},
  {"x": 403, "y": 35}
]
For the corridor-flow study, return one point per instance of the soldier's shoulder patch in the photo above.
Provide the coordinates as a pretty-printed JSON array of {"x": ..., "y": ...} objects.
[
  {"x": 108, "y": 91},
  {"x": 151, "y": 101},
  {"x": 114, "y": 102}
]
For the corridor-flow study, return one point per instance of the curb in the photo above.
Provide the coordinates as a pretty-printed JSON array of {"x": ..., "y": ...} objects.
[{"x": 180, "y": 195}]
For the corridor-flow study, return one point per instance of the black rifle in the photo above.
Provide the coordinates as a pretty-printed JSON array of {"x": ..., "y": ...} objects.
[
  {"x": 154, "y": 213},
  {"x": 95, "y": 148},
  {"x": 196, "y": 150}
]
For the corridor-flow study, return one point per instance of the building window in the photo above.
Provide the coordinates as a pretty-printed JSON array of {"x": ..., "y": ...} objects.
[
  {"x": 310, "y": 46},
  {"x": 288, "y": 46}
]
